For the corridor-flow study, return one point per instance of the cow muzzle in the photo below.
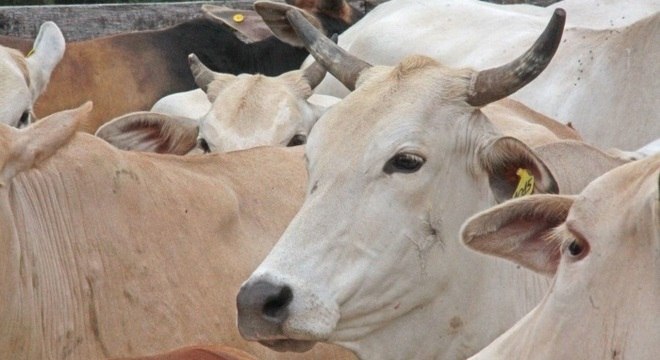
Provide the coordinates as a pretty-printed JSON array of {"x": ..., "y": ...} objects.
[{"x": 270, "y": 313}]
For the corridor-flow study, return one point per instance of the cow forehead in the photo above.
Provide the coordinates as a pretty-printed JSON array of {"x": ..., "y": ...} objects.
[
  {"x": 623, "y": 200},
  {"x": 390, "y": 102},
  {"x": 250, "y": 103}
]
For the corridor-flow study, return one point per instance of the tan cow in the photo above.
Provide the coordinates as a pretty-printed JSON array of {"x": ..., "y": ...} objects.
[
  {"x": 24, "y": 78},
  {"x": 199, "y": 353},
  {"x": 107, "y": 253},
  {"x": 604, "y": 248},
  {"x": 243, "y": 111},
  {"x": 372, "y": 260}
]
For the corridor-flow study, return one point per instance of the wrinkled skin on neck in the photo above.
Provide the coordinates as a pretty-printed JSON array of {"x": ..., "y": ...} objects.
[{"x": 372, "y": 257}]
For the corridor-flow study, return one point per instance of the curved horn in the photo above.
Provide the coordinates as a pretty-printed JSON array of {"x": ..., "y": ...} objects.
[
  {"x": 497, "y": 83},
  {"x": 344, "y": 66},
  {"x": 203, "y": 75},
  {"x": 315, "y": 72}
]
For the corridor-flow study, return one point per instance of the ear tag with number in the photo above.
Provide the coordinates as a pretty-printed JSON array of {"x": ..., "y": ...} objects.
[
  {"x": 525, "y": 184},
  {"x": 30, "y": 53}
]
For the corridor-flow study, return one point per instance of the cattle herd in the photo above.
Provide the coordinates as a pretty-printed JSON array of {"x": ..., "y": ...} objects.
[{"x": 475, "y": 181}]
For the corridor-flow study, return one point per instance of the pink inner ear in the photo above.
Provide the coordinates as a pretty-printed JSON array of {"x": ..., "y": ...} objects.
[{"x": 525, "y": 242}]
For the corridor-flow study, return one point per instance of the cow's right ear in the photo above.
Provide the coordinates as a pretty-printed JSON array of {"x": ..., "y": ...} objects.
[
  {"x": 520, "y": 230},
  {"x": 515, "y": 170},
  {"x": 46, "y": 53},
  {"x": 151, "y": 132},
  {"x": 248, "y": 26},
  {"x": 274, "y": 15}
]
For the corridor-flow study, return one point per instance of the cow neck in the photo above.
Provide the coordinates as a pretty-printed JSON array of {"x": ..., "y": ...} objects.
[
  {"x": 44, "y": 228},
  {"x": 12, "y": 314}
]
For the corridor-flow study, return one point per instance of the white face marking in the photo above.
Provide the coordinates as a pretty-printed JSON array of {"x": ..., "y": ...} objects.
[{"x": 254, "y": 110}]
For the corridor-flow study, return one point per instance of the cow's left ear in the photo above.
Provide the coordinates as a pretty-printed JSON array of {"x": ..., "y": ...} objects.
[
  {"x": 248, "y": 26},
  {"x": 274, "y": 15},
  {"x": 514, "y": 170},
  {"x": 151, "y": 132},
  {"x": 46, "y": 53},
  {"x": 520, "y": 230}
]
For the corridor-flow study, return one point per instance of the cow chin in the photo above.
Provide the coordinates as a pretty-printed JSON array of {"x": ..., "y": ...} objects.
[{"x": 283, "y": 345}]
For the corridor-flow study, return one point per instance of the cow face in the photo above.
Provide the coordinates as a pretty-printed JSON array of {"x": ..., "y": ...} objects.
[
  {"x": 23, "y": 79},
  {"x": 240, "y": 112},
  {"x": 372, "y": 255},
  {"x": 256, "y": 110},
  {"x": 604, "y": 247}
]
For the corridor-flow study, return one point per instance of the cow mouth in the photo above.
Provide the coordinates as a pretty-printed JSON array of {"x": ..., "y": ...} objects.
[{"x": 282, "y": 345}]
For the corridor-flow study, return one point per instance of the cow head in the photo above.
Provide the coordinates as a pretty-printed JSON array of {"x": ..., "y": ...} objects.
[
  {"x": 245, "y": 111},
  {"x": 603, "y": 246},
  {"x": 372, "y": 260},
  {"x": 329, "y": 16},
  {"x": 24, "y": 78}
]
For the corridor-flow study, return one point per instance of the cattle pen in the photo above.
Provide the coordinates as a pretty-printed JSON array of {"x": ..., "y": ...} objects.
[{"x": 81, "y": 22}]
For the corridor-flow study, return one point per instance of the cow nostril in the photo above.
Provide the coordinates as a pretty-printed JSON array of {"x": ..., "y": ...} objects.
[{"x": 275, "y": 307}]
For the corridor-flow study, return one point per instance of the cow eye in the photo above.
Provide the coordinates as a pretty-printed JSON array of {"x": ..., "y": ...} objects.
[
  {"x": 201, "y": 142},
  {"x": 577, "y": 248},
  {"x": 25, "y": 119},
  {"x": 404, "y": 163},
  {"x": 296, "y": 140}
]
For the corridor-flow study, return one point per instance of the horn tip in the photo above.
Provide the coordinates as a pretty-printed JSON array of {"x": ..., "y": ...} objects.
[
  {"x": 559, "y": 12},
  {"x": 192, "y": 58}
]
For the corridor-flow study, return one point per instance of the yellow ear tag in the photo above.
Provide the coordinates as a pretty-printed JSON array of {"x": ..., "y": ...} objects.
[
  {"x": 525, "y": 184},
  {"x": 238, "y": 18},
  {"x": 30, "y": 53}
]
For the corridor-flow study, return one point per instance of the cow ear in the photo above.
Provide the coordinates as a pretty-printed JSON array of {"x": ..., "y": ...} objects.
[
  {"x": 22, "y": 148},
  {"x": 514, "y": 170},
  {"x": 274, "y": 14},
  {"x": 566, "y": 161},
  {"x": 46, "y": 53},
  {"x": 151, "y": 132},
  {"x": 248, "y": 26},
  {"x": 521, "y": 231}
]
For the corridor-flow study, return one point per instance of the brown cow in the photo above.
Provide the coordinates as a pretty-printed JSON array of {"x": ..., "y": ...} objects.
[{"x": 130, "y": 72}]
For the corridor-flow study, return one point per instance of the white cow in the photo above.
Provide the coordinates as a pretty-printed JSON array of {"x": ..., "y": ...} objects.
[
  {"x": 372, "y": 260},
  {"x": 601, "y": 79},
  {"x": 237, "y": 112},
  {"x": 604, "y": 246},
  {"x": 24, "y": 78}
]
